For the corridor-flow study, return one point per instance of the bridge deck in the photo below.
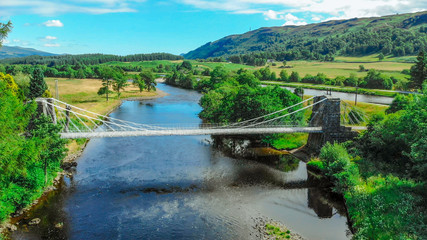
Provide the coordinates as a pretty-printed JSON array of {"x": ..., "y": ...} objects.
[{"x": 189, "y": 132}]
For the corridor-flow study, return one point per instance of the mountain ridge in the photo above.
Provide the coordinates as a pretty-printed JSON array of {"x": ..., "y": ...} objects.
[
  {"x": 317, "y": 37},
  {"x": 16, "y": 51}
]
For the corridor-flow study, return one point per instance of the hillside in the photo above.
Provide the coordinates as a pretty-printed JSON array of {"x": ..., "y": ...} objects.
[
  {"x": 399, "y": 35},
  {"x": 14, "y": 52}
]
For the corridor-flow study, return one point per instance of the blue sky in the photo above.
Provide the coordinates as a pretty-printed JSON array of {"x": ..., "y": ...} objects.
[{"x": 175, "y": 26}]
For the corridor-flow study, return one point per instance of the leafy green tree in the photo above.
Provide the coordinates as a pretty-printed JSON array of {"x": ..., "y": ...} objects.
[
  {"x": 284, "y": 76},
  {"x": 399, "y": 139},
  {"x": 186, "y": 65},
  {"x": 149, "y": 79},
  {"x": 419, "y": 72},
  {"x": 375, "y": 79},
  {"x": 37, "y": 84},
  {"x": 119, "y": 83},
  {"x": 4, "y": 31},
  {"x": 400, "y": 102},
  {"x": 381, "y": 56},
  {"x": 294, "y": 77},
  {"x": 299, "y": 91},
  {"x": 361, "y": 68},
  {"x": 248, "y": 79},
  {"x": 137, "y": 81},
  {"x": 107, "y": 75}
]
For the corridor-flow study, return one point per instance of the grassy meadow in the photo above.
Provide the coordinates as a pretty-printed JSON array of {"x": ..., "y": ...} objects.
[{"x": 83, "y": 93}]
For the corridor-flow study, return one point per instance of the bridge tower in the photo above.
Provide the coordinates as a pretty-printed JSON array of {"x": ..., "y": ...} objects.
[{"x": 327, "y": 115}]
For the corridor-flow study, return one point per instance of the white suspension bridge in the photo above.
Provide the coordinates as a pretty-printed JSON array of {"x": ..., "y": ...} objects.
[{"x": 80, "y": 123}]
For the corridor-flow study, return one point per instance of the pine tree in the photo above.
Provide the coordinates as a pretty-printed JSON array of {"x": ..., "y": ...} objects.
[
  {"x": 37, "y": 84},
  {"x": 418, "y": 72}
]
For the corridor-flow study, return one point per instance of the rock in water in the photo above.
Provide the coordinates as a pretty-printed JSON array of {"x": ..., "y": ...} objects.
[{"x": 35, "y": 221}]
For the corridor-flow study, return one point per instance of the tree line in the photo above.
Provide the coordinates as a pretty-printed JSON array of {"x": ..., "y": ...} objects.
[{"x": 88, "y": 59}]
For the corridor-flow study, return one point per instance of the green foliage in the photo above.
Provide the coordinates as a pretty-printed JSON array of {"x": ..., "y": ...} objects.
[
  {"x": 88, "y": 59},
  {"x": 284, "y": 76},
  {"x": 419, "y": 72},
  {"x": 4, "y": 31},
  {"x": 386, "y": 208},
  {"x": 375, "y": 79},
  {"x": 398, "y": 139},
  {"x": 294, "y": 77},
  {"x": 277, "y": 232},
  {"x": 338, "y": 167},
  {"x": 149, "y": 79},
  {"x": 37, "y": 84},
  {"x": 400, "y": 102},
  {"x": 32, "y": 151}
]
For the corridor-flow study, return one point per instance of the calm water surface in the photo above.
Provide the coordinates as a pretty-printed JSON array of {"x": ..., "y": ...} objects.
[{"x": 177, "y": 187}]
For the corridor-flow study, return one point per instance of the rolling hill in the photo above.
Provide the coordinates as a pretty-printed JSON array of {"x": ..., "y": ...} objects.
[
  {"x": 14, "y": 52},
  {"x": 399, "y": 35}
]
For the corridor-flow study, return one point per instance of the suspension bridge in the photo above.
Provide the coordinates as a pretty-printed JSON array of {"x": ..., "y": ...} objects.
[{"x": 328, "y": 116}]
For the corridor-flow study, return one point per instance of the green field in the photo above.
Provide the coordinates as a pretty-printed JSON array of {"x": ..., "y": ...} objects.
[{"x": 334, "y": 69}]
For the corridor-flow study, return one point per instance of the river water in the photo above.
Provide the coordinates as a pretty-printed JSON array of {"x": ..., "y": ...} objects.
[{"x": 178, "y": 187}]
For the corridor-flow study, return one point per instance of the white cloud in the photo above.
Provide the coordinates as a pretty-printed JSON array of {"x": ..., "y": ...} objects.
[
  {"x": 50, "y": 38},
  {"x": 52, "y": 45},
  {"x": 16, "y": 40},
  {"x": 51, "y": 8},
  {"x": 5, "y": 41},
  {"x": 53, "y": 23},
  {"x": 337, "y": 9}
]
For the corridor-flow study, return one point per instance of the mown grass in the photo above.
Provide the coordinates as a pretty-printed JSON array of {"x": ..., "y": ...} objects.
[
  {"x": 83, "y": 93},
  {"x": 334, "y": 69},
  {"x": 374, "y": 58}
]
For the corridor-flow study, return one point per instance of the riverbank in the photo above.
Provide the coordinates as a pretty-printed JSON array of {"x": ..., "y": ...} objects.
[{"x": 75, "y": 149}]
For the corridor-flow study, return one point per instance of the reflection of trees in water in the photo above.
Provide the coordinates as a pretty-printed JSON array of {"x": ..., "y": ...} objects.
[
  {"x": 324, "y": 203},
  {"x": 287, "y": 163}
]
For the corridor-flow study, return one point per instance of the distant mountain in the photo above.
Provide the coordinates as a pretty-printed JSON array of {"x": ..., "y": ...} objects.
[
  {"x": 14, "y": 52},
  {"x": 404, "y": 34}
]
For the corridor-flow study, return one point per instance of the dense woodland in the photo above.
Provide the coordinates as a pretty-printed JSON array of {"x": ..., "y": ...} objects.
[{"x": 88, "y": 59}]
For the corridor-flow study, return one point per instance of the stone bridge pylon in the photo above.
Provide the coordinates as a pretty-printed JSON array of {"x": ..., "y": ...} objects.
[{"x": 327, "y": 114}]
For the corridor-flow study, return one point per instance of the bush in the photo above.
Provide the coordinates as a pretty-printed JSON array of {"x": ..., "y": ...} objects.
[{"x": 338, "y": 168}]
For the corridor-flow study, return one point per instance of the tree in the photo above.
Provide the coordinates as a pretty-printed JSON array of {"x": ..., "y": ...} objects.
[
  {"x": 381, "y": 56},
  {"x": 294, "y": 77},
  {"x": 107, "y": 74},
  {"x": 299, "y": 91},
  {"x": 361, "y": 68},
  {"x": 419, "y": 72},
  {"x": 119, "y": 83},
  {"x": 149, "y": 79},
  {"x": 4, "y": 30},
  {"x": 137, "y": 81},
  {"x": 37, "y": 84},
  {"x": 284, "y": 63},
  {"x": 284, "y": 75},
  {"x": 186, "y": 65}
]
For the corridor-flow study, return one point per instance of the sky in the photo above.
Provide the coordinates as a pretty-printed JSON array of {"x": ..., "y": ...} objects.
[{"x": 125, "y": 27}]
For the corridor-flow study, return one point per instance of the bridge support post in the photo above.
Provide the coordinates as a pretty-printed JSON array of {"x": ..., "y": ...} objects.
[
  {"x": 51, "y": 111},
  {"x": 67, "y": 115},
  {"x": 327, "y": 115}
]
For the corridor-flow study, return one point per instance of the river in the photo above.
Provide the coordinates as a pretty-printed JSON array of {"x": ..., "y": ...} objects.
[{"x": 177, "y": 187}]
